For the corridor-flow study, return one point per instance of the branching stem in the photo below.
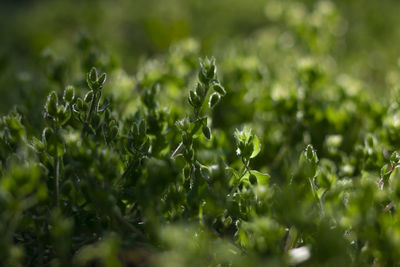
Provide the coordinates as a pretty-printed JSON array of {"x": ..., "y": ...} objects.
[{"x": 89, "y": 115}]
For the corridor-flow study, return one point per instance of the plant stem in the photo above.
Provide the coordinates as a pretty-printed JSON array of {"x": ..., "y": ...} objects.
[
  {"x": 56, "y": 181},
  {"x": 246, "y": 167},
  {"x": 192, "y": 132},
  {"x": 177, "y": 150},
  {"x": 89, "y": 115},
  {"x": 130, "y": 165}
]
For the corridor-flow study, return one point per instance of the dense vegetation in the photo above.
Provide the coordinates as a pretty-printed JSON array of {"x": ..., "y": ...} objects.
[{"x": 275, "y": 152}]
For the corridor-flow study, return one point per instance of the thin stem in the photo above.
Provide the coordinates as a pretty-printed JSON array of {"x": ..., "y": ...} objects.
[
  {"x": 130, "y": 165},
  {"x": 177, "y": 150},
  {"x": 89, "y": 115},
  {"x": 56, "y": 181},
  {"x": 196, "y": 116},
  {"x": 246, "y": 167},
  {"x": 192, "y": 132}
]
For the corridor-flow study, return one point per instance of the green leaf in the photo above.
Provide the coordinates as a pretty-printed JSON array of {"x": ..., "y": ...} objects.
[
  {"x": 219, "y": 89},
  {"x": 52, "y": 104},
  {"x": 64, "y": 115},
  {"x": 38, "y": 145},
  {"x": 253, "y": 179},
  {"x": 256, "y": 146},
  {"x": 88, "y": 97},
  {"x": 69, "y": 94},
  {"x": 214, "y": 99},
  {"x": 206, "y": 132},
  {"x": 92, "y": 75},
  {"x": 102, "y": 79},
  {"x": 262, "y": 178}
]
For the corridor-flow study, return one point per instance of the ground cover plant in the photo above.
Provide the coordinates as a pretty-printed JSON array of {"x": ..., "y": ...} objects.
[{"x": 264, "y": 153}]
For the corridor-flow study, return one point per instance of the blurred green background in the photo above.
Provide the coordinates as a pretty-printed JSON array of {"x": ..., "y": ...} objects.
[{"x": 366, "y": 46}]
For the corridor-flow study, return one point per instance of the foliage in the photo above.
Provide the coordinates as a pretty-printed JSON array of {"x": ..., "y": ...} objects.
[{"x": 275, "y": 158}]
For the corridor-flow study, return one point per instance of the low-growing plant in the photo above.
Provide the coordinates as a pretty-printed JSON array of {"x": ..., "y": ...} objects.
[{"x": 274, "y": 159}]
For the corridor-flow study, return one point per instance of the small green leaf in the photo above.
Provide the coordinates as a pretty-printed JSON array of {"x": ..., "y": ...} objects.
[
  {"x": 69, "y": 94},
  {"x": 88, "y": 97},
  {"x": 52, "y": 104},
  {"x": 214, "y": 99},
  {"x": 38, "y": 145},
  {"x": 219, "y": 89},
  {"x": 256, "y": 147},
  {"x": 212, "y": 71},
  {"x": 92, "y": 75},
  {"x": 64, "y": 115},
  {"x": 78, "y": 106},
  {"x": 102, "y": 79},
  {"x": 203, "y": 77},
  {"x": 200, "y": 90},
  {"x": 207, "y": 132},
  {"x": 262, "y": 178},
  {"x": 194, "y": 99},
  {"x": 253, "y": 179}
]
